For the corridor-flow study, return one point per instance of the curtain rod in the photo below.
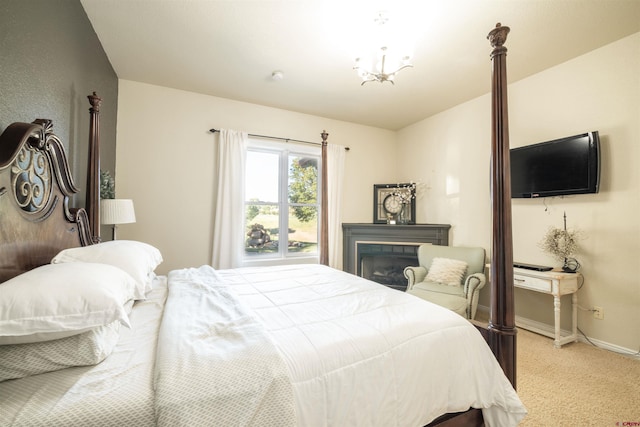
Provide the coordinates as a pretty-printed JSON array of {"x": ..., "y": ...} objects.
[{"x": 280, "y": 138}]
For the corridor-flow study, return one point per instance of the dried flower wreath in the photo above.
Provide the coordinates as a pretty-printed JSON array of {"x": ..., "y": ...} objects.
[{"x": 562, "y": 244}]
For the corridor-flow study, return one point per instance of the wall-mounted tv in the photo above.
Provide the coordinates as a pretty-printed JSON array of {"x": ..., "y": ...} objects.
[{"x": 560, "y": 167}]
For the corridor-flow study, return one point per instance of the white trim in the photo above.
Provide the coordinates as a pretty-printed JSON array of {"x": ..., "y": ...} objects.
[
  {"x": 548, "y": 330},
  {"x": 544, "y": 329}
]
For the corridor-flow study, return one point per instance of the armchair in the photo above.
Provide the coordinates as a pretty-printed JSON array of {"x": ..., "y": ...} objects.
[{"x": 448, "y": 276}]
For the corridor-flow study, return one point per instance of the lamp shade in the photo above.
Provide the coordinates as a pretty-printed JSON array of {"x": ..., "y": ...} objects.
[{"x": 117, "y": 211}]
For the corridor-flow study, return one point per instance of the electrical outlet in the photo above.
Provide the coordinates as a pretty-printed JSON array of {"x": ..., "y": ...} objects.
[{"x": 598, "y": 313}]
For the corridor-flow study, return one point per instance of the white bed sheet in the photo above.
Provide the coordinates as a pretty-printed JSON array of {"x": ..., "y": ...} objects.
[
  {"x": 117, "y": 392},
  {"x": 362, "y": 354}
]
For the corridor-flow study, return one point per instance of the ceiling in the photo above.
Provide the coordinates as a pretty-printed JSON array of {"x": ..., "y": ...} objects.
[{"x": 230, "y": 48}]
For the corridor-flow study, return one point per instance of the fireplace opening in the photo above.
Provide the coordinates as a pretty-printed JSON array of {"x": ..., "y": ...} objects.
[{"x": 387, "y": 270}]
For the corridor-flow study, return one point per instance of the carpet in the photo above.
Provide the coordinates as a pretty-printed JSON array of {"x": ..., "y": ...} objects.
[{"x": 576, "y": 385}]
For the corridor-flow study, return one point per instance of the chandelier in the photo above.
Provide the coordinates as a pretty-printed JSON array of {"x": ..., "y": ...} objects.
[{"x": 386, "y": 60}]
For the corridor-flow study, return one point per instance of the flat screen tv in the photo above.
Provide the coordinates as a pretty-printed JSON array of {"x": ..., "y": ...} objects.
[{"x": 560, "y": 167}]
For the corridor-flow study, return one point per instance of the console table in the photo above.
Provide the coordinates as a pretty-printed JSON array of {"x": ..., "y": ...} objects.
[{"x": 554, "y": 283}]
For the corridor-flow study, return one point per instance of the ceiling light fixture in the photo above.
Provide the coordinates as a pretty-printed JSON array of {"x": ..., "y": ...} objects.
[{"x": 387, "y": 58}]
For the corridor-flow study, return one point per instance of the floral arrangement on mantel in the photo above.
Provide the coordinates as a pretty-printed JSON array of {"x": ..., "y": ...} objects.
[
  {"x": 562, "y": 244},
  {"x": 405, "y": 193}
]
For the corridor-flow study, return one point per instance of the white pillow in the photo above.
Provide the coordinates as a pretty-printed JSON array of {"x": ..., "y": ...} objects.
[
  {"x": 136, "y": 258},
  {"x": 59, "y": 300},
  {"x": 87, "y": 348},
  {"x": 447, "y": 271}
]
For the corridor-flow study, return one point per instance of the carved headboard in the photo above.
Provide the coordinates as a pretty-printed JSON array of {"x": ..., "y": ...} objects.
[{"x": 36, "y": 221}]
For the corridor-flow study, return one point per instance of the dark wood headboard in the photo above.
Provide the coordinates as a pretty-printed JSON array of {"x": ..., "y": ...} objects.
[{"x": 36, "y": 221}]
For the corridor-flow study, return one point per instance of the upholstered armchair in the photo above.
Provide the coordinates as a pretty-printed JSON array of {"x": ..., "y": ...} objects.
[{"x": 448, "y": 276}]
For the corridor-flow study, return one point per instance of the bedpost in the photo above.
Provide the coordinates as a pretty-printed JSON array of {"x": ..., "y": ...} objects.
[
  {"x": 502, "y": 331},
  {"x": 324, "y": 224},
  {"x": 92, "y": 203}
]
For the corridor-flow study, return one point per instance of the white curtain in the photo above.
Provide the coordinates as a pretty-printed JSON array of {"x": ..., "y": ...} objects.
[
  {"x": 229, "y": 195},
  {"x": 335, "y": 172}
]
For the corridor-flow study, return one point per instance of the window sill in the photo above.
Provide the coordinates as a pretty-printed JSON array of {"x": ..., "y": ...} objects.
[{"x": 315, "y": 259}]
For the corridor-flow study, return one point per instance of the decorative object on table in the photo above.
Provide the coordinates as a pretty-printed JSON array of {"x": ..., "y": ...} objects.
[
  {"x": 562, "y": 244},
  {"x": 107, "y": 185},
  {"x": 390, "y": 219},
  {"x": 117, "y": 211},
  {"x": 394, "y": 202}
]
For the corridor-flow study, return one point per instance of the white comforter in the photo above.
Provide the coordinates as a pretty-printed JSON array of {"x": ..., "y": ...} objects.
[
  {"x": 355, "y": 353},
  {"x": 215, "y": 364}
]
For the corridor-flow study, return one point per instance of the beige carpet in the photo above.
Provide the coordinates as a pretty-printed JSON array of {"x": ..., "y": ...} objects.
[{"x": 577, "y": 385}]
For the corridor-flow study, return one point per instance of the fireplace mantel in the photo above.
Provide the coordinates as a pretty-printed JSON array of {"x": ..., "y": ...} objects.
[{"x": 352, "y": 234}]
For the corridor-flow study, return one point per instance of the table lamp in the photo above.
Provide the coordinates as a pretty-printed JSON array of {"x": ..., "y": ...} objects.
[{"x": 116, "y": 211}]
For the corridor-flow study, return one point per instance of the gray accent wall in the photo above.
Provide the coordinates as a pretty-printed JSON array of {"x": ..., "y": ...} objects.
[{"x": 50, "y": 60}]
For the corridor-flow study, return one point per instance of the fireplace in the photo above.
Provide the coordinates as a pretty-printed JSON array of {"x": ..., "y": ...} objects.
[
  {"x": 385, "y": 262},
  {"x": 380, "y": 252}
]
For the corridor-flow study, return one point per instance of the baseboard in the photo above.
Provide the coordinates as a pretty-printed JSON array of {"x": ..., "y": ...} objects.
[{"x": 545, "y": 329}]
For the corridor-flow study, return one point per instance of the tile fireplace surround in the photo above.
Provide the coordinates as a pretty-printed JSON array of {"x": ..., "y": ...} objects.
[{"x": 380, "y": 252}]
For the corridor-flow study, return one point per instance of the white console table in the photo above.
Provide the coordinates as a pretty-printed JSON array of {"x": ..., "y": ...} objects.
[{"x": 556, "y": 283}]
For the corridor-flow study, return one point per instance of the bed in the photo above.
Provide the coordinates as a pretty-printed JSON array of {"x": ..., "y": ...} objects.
[{"x": 302, "y": 345}]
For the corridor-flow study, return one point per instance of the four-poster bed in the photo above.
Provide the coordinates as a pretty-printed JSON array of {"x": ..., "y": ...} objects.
[{"x": 376, "y": 358}]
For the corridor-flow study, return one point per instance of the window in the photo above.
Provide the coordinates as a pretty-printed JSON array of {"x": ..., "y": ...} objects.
[{"x": 281, "y": 193}]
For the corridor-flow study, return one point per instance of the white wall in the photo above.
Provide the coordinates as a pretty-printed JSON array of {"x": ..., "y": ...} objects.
[
  {"x": 165, "y": 162},
  {"x": 450, "y": 152},
  {"x": 165, "y": 152}
]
